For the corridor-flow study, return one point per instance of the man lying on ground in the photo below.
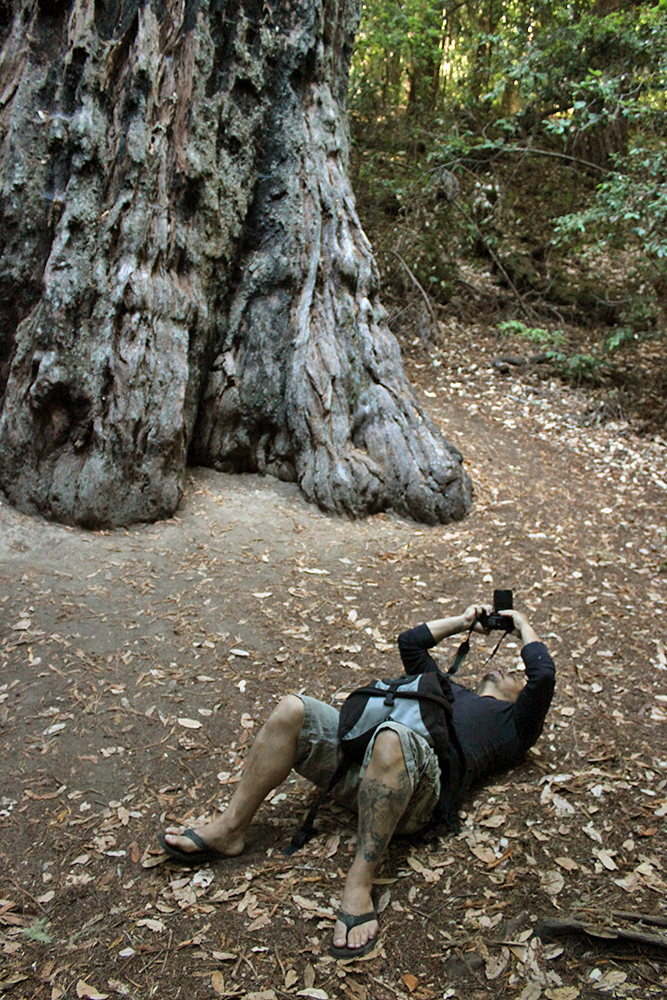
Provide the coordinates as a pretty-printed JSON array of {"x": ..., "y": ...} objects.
[{"x": 398, "y": 786}]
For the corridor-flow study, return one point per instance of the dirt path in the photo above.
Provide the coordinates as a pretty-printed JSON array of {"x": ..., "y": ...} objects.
[{"x": 136, "y": 666}]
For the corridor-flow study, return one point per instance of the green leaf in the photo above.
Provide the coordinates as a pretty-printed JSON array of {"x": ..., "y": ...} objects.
[{"x": 38, "y": 932}]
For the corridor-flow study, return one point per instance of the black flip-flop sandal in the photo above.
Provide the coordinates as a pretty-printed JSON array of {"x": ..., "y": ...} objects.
[
  {"x": 351, "y": 921},
  {"x": 191, "y": 858}
]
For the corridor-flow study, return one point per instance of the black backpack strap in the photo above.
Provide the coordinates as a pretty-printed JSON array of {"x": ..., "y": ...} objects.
[
  {"x": 394, "y": 693},
  {"x": 307, "y": 829}
]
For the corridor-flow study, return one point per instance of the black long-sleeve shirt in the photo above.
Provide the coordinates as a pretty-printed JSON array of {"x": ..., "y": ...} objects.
[{"x": 492, "y": 734}]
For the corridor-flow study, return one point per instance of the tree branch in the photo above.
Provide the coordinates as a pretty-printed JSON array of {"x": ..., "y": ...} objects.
[
  {"x": 525, "y": 309},
  {"x": 427, "y": 301}
]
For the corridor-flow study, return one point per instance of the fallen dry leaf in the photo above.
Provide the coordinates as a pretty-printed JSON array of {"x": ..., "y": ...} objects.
[
  {"x": 383, "y": 901},
  {"x": 552, "y": 951},
  {"x": 591, "y": 832},
  {"x": 262, "y": 921},
  {"x": 496, "y": 964},
  {"x": 121, "y": 988},
  {"x": 552, "y": 882},
  {"x": 410, "y": 981},
  {"x": 610, "y": 980},
  {"x": 605, "y": 858},
  {"x": 154, "y": 925},
  {"x": 533, "y": 991},
  {"x": 305, "y": 904},
  {"x": 332, "y": 845},
  {"x": 83, "y": 989},
  {"x": 427, "y": 873},
  {"x": 493, "y": 822},
  {"x": 485, "y": 854},
  {"x": 567, "y": 863}
]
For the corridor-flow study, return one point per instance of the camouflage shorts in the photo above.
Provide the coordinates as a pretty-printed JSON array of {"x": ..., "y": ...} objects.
[{"x": 317, "y": 758}]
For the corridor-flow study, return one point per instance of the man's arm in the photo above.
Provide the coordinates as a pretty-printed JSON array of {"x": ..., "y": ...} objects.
[
  {"x": 533, "y": 703},
  {"x": 440, "y": 628},
  {"x": 414, "y": 644},
  {"x": 522, "y": 626}
]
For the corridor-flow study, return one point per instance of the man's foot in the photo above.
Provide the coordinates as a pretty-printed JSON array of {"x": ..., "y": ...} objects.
[
  {"x": 354, "y": 936},
  {"x": 200, "y": 853},
  {"x": 190, "y": 846},
  {"x": 356, "y": 902},
  {"x": 357, "y": 925}
]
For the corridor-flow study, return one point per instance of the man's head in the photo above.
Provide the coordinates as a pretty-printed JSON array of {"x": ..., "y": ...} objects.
[{"x": 504, "y": 687}]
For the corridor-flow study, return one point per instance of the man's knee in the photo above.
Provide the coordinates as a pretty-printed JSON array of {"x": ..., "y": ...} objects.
[
  {"x": 387, "y": 752},
  {"x": 288, "y": 714}
]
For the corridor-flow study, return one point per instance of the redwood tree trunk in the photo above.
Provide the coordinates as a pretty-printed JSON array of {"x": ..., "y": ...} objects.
[{"x": 182, "y": 270}]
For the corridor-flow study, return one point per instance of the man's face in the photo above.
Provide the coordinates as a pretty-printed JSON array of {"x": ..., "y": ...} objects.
[{"x": 504, "y": 687}]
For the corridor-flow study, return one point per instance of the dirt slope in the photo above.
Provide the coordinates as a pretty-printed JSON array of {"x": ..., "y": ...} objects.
[{"x": 136, "y": 665}]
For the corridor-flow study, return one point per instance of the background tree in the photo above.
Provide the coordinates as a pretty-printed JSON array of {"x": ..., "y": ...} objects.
[
  {"x": 538, "y": 156},
  {"x": 183, "y": 272}
]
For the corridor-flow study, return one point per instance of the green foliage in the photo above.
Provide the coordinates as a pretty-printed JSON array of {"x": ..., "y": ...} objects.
[
  {"x": 541, "y": 58},
  {"x": 485, "y": 91},
  {"x": 619, "y": 338},
  {"x": 631, "y": 203},
  {"x": 578, "y": 368},
  {"x": 537, "y": 335},
  {"x": 629, "y": 212},
  {"x": 398, "y": 53},
  {"x": 38, "y": 931},
  {"x": 594, "y": 67},
  {"x": 638, "y": 320}
]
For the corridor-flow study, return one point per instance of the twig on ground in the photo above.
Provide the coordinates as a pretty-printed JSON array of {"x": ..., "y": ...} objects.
[
  {"x": 643, "y": 918},
  {"x": 553, "y": 927},
  {"x": 25, "y": 892}
]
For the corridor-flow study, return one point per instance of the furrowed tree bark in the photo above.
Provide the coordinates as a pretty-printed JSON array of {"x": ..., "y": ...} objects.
[{"x": 182, "y": 269}]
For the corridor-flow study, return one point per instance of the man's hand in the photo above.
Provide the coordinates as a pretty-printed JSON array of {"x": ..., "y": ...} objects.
[
  {"x": 472, "y": 613},
  {"x": 442, "y": 627},
  {"x": 522, "y": 626}
]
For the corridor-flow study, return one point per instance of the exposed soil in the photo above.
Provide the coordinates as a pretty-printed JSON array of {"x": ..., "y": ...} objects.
[{"x": 137, "y": 665}]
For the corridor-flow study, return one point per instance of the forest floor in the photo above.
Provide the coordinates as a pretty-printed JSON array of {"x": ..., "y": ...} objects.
[{"x": 136, "y": 666}]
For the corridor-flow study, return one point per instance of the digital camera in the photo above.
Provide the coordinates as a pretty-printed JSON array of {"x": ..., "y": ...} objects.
[{"x": 502, "y": 601}]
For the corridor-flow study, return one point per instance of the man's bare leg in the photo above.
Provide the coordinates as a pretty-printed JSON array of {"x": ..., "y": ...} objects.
[
  {"x": 384, "y": 795},
  {"x": 270, "y": 760}
]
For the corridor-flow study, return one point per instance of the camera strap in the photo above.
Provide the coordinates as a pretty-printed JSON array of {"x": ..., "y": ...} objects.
[
  {"x": 495, "y": 650},
  {"x": 464, "y": 649}
]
